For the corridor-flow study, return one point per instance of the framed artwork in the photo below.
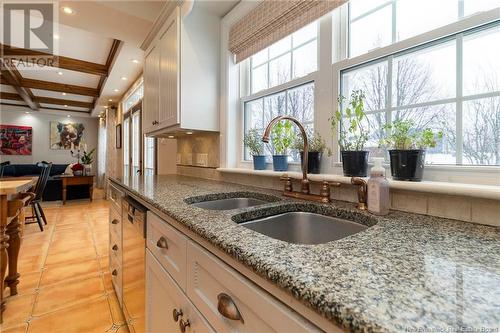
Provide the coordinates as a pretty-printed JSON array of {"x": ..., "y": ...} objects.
[
  {"x": 66, "y": 136},
  {"x": 16, "y": 140},
  {"x": 119, "y": 136}
]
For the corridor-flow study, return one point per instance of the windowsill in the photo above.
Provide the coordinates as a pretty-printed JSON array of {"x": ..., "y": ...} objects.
[{"x": 469, "y": 190}]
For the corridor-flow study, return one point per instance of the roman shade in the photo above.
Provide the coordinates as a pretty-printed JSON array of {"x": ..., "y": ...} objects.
[{"x": 273, "y": 20}]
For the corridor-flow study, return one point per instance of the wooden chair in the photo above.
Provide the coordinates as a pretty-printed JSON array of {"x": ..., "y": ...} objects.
[
  {"x": 2, "y": 166},
  {"x": 37, "y": 211}
]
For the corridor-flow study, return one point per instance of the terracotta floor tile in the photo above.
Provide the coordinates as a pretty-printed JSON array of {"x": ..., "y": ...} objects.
[
  {"x": 108, "y": 284},
  {"x": 72, "y": 227},
  {"x": 122, "y": 329},
  {"x": 62, "y": 245},
  {"x": 116, "y": 311},
  {"x": 17, "y": 329},
  {"x": 63, "y": 272},
  {"x": 17, "y": 310},
  {"x": 30, "y": 264},
  {"x": 71, "y": 255},
  {"x": 90, "y": 317},
  {"x": 55, "y": 297}
]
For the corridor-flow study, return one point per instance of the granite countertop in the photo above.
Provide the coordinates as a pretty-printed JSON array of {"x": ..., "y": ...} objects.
[{"x": 406, "y": 272}]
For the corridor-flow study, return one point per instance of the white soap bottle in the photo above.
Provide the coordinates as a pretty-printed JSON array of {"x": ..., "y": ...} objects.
[{"x": 378, "y": 189}]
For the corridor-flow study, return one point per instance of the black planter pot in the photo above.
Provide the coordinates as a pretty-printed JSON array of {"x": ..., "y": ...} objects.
[
  {"x": 313, "y": 161},
  {"x": 407, "y": 164},
  {"x": 355, "y": 163}
]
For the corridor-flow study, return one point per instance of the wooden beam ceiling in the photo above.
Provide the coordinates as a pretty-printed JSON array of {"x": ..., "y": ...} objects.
[
  {"x": 110, "y": 61},
  {"x": 53, "y": 86},
  {"x": 47, "y": 100},
  {"x": 11, "y": 76},
  {"x": 60, "y": 61}
]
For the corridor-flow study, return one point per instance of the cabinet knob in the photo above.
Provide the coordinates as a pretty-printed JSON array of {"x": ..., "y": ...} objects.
[
  {"x": 228, "y": 308},
  {"x": 183, "y": 324},
  {"x": 176, "y": 314},
  {"x": 115, "y": 221},
  {"x": 115, "y": 247},
  {"x": 114, "y": 272},
  {"x": 162, "y": 243}
]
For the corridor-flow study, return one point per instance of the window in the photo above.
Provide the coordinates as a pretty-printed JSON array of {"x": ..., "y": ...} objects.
[
  {"x": 292, "y": 57},
  {"x": 280, "y": 83},
  {"x": 377, "y": 23},
  {"x": 297, "y": 102},
  {"x": 451, "y": 85},
  {"x": 126, "y": 144},
  {"x": 149, "y": 155}
]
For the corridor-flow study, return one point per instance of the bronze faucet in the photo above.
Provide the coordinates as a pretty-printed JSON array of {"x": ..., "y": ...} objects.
[{"x": 305, "y": 192}]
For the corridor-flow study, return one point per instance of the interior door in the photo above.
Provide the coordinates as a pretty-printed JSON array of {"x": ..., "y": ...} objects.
[{"x": 133, "y": 140}]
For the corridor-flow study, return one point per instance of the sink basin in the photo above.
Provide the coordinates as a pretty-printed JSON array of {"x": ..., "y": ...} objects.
[
  {"x": 304, "y": 227},
  {"x": 231, "y": 203}
]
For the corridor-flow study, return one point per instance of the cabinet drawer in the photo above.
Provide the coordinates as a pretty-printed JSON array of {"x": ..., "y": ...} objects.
[
  {"x": 115, "y": 223},
  {"x": 163, "y": 297},
  {"x": 168, "y": 246},
  {"x": 210, "y": 279},
  {"x": 116, "y": 278},
  {"x": 115, "y": 247},
  {"x": 115, "y": 196}
]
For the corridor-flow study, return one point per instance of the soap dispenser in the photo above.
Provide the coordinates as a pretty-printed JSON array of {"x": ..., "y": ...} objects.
[{"x": 378, "y": 189}]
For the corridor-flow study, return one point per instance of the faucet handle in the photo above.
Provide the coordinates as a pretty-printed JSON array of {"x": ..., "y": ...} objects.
[
  {"x": 288, "y": 182},
  {"x": 284, "y": 177},
  {"x": 333, "y": 184}
]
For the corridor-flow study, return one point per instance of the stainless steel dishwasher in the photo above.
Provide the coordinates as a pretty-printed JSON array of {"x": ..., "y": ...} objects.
[{"x": 134, "y": 246}]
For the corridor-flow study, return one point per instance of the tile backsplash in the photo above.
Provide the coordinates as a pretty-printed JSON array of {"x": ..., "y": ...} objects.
[{"x": 199, "y": 149}]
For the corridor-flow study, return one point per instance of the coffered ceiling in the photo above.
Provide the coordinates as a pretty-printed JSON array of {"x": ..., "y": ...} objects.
[{"x": 97, "y": 60}]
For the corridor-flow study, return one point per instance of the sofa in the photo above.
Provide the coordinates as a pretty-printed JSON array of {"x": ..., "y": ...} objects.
[{"x": 53, "y": 189}]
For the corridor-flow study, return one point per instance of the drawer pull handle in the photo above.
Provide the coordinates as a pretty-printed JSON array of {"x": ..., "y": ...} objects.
[
  {"x": 228, "y": 308},
  {"x": 114, "y": 272},
  {"x": 115, "y": 247},
  {"x": 162, "y": 243},
  {"x": 115, "y": 221},
  {"x": 183, "y": 324},
  {"x": 176, "y": 314}
]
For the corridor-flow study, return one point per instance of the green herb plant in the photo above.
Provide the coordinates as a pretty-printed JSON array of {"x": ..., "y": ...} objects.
[
  {"x": 87, "y": 157},
  {"x": 282, "y": 137},
  {"x": 253, "y": 141},
  {"x": 402, "y": 135},
  {"x": 353, "y": 136},
  {"x": 316, "y": 144}
]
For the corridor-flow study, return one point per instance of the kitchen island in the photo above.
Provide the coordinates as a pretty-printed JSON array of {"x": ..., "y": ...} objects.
[{"x": 406, "y": 272}]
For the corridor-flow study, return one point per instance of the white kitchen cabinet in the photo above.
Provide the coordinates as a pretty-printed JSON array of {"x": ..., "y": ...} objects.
[
  {"x": 181, "y": 72},
  {"x": 151, "y": 90},
  {"x": 163, "y": 298}
]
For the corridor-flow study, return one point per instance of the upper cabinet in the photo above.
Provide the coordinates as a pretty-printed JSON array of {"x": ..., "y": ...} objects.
[{"x": 181, "y": 73}]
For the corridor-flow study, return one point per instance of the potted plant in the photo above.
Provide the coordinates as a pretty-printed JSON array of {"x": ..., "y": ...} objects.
[
  {"x": 353, "y": 135},
  {"x": 77, "y": 169},
  {"x": 282, "y": 137},
  {"x": 87, "y": 160},
  {"x": 408, "y": 144},
  {"x": 253, "y": 141},
  {"x": 317, "y": 146}
]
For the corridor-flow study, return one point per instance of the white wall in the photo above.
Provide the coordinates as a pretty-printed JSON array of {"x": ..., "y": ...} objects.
[{"x": 41, "y": 134}]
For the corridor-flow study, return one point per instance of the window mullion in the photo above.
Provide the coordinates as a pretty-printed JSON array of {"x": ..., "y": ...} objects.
[
  {"x": 459, "y": 103},
  {"x": 394, "y": 21},
  {"x": 388, "y": 99}
]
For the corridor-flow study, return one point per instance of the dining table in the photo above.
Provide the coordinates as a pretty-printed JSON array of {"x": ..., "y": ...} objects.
[{"x": 9, "y": 233}]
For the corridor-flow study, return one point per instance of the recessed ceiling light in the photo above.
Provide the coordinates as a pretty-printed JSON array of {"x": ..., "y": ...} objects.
[
  {"x": 69, "y": 116},
  {"x": 65, "y": 105},
  {"x": 64, "y": 94},
  {"x": 59, "y": 73},
  {"x": 135, "y": 61},
  {"x": 110, "y": 100},
  {"x": 26, "y": 112},
  {"x": 116, "y": 90},
  {"x": 68, "y": 10},
  {"x": 189, "y": 133},
  {"x": 56, "y": 36},
  {"x": 124, "y": 78},
  {"x": 171, "y": 136}
]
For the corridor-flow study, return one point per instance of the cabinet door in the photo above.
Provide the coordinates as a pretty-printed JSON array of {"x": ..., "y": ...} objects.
[
  {"x": 169, "y": 72},
  {"x": 151, "y": 85},
  {"x": 163, "y": 296}
]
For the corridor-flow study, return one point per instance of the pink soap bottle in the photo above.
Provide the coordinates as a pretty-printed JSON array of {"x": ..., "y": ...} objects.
[{"x": 378, "y": 189}]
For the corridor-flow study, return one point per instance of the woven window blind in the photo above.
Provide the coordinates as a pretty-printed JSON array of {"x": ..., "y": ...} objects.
[{"x": 273, "y": 20}]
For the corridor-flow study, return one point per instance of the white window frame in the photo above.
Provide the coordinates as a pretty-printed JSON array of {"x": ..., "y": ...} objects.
[{"x": 332, "y": 59}]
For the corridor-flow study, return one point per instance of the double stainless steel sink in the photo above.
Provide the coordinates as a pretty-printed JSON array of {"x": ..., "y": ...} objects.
[{"x": 298, "y": 227}]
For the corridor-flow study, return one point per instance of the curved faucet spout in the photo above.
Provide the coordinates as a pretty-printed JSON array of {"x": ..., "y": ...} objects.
[{"x": 265, "y": 138}]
